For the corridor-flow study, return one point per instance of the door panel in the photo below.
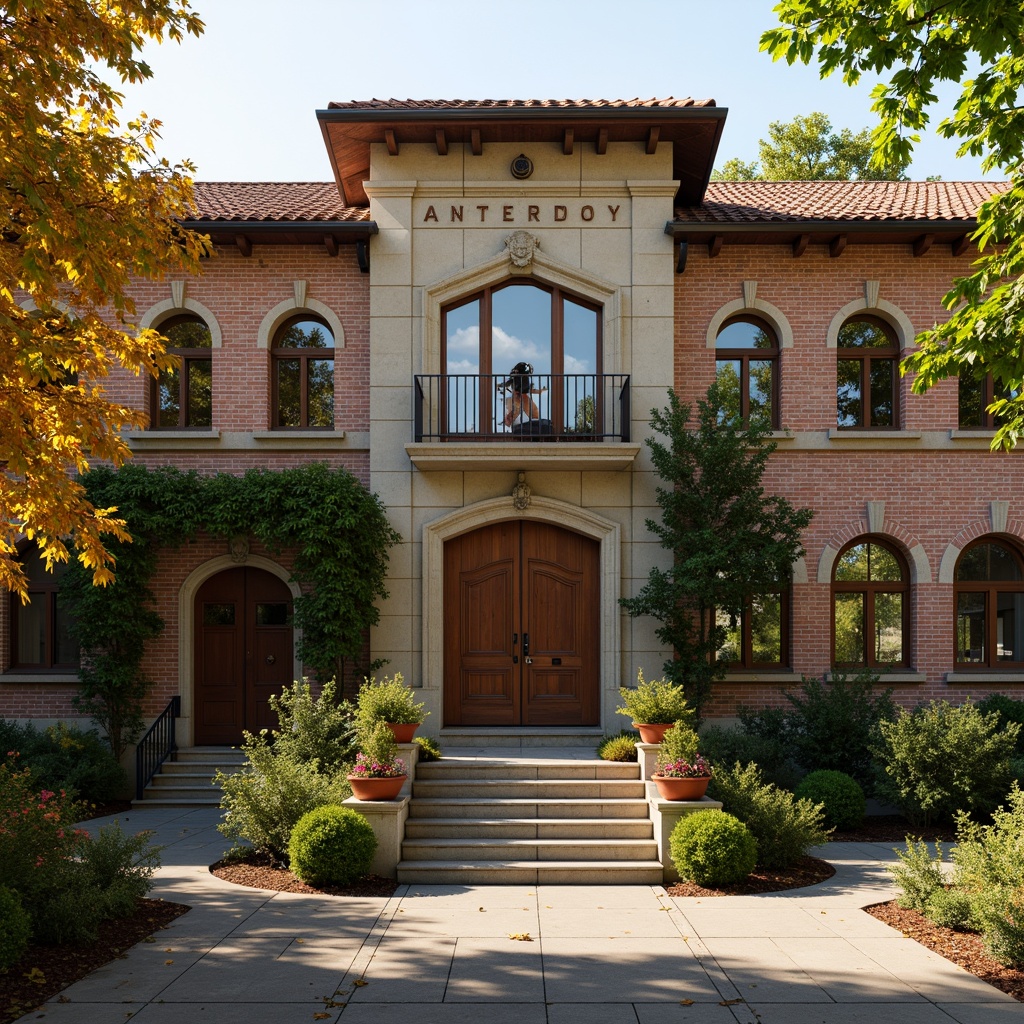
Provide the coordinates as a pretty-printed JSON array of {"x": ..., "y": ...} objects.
[
  {"x": 243, "y": 653},
  {"x": 521, "y": 627}
]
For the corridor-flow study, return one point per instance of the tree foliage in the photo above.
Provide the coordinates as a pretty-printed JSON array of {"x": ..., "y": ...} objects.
[
  {"x": 919, "y": 45},
  {"x": 809, "y": 149},
  {"x": 88, "y": 207},
  {"x": 729, "y": 539}
]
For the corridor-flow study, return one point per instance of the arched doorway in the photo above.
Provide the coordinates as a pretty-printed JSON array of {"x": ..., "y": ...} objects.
[
  {"x": 522, "y": 626},
  {"x": 243, "y": 652}
]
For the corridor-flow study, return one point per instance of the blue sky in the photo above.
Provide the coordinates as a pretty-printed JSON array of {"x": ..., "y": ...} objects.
[{"x": 240, "y": 100}]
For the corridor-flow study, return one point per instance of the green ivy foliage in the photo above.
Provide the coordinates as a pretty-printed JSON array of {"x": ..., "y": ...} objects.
[{"x": 337, "y": 529}]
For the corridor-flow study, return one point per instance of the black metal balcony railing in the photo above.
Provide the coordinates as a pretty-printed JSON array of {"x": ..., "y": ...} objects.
[
  {"x": 566, "y": 407},
  {"x": 156, "y": 746}
]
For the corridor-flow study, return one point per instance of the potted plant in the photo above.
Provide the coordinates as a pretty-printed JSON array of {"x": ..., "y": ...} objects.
[
  {"x": 654, "y": 705},
  {"x": 681, "y": 778},
  {"x": 377, "y": 774},
  {"x": 390, "y": 701}
]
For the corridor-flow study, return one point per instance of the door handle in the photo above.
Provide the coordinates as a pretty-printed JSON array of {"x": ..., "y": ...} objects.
[
  {"x": 515, "y": 641},
  {"x": 526, "y": 649}
]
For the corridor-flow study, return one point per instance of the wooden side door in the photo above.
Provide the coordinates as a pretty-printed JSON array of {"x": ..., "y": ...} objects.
[
  {"x": 243, "y": 653},
  {"x": 521, "y": 621}
]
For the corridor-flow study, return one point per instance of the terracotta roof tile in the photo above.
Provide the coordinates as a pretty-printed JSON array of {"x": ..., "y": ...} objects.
[
  {"x": 273, "y": 201},
  {"x": 394, "y": 104},
  {"x": 738, "y": 202}
]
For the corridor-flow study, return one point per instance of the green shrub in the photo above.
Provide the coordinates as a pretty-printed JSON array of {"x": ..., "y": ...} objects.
[
  {"x": 785, "y": 828},
  {"x": 121, "y": 866},
  {"x": 840, "y": 795},
  {"x": 680, "y": 744},
  {"x": 15, "y": 928},
  {"x": 620, "y": 747},
  {"x": 263, "y": 801},
  {"x": 1010, "y": 710},
  {"x": 388, "y": 700},
  {"x": 940, "y": 759},
  {"x": 654, "y": 702},
  {"x": 331, "y": 846},
  {"x": 430, "y": 750},
  {"x": 712, "y": 848},
  {"x": 918, "y": 874},
  {"x": 727, "y": 746},
  {"x": 949, "y": 908},
  {"x": 321, "y": 729}
]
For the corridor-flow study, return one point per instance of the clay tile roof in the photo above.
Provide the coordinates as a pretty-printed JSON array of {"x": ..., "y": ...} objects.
[
  {"x": 284, "y": 201},
  {"x": 394, "y": 104},
  {"x": 758, "y": 202}
]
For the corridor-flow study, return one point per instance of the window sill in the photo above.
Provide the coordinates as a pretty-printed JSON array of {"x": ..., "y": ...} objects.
[
  {"x": 979, "y": 438},
  {"x": 229, "y": 440},
  {"x": 986, "y": 675},
  {"x": 327, "y": 437},
  {"x": 884, "y": 678},
  {"x": 764, "y": 675},
  {"x": 873, "y": 438},
  {"x": 155, "y": 439},
  {"x": 21, "y": 676}
]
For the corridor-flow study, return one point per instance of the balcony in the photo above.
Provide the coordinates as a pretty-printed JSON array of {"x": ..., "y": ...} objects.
[{"x": 572, "y": 421}]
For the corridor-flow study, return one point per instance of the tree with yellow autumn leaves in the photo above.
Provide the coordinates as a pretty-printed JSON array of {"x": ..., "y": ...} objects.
[{"x": 88, "y": 207}]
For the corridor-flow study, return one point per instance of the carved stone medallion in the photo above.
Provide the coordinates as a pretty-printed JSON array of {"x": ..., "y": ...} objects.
[
  {"x": 521, "y": 494},
  {"x": 239, "y": 548},
  {"x": 521, "y": 246}
]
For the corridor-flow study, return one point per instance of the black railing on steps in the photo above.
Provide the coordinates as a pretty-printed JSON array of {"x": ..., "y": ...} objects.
[{"x": 156, "y": 746}]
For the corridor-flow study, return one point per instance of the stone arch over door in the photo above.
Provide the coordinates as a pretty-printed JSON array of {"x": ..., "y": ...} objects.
[
  {"x": 544, "y": 510},
  {"x": 187, "y": 630}
]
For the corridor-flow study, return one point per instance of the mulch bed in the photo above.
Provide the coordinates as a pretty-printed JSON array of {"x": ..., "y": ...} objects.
[
  {"x": 45, "y": 970},
  {"x": 90, "y": 811},
  {"x": 892, "y": 828},
  {"x": 807, "y": 871},
  {"x": 262, "y": 873}
]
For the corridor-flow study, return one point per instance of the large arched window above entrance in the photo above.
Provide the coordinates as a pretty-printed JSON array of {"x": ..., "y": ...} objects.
[
  {"x": 870, "y": 606},
  {"x": 486, "y": 335},
  {"x": 989, "y": 593}
]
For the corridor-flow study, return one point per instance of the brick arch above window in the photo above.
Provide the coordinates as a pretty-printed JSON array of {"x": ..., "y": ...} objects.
[
  {"x": 889, "y": 533},
  {"x": 871, "y": 304},
  {"x": 774, "y": 316},
  {"x": 156, "y": 315},
  {"x": 299, "y": 303},
  {"x": 999, "y": 526}
]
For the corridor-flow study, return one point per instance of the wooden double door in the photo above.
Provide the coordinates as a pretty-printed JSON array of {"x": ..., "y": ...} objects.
[
  {"x": 521, "y": 626},
  {"x": 243, "y": 653}
]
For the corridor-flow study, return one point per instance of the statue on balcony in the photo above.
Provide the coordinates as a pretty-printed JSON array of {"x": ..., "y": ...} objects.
[{"x": 521, "y": 411}]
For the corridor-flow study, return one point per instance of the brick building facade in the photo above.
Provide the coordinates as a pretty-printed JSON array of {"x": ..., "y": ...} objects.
[{"x": 461, "y": 239}]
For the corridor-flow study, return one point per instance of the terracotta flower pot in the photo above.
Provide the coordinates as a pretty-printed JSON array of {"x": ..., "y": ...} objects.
[
  {"x": 681, "y": 789},
  {"x": 404, "y": 732},
  {"x": 376, "y": 789},
  {"x": 653, "y": 733}
]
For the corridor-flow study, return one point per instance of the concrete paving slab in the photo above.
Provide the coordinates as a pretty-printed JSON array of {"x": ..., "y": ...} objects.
[
  {"x": 496, "y": 970},
  {"x": 709, "y": 920},
  {"x": 447, "y": 1013},
  {"x": 675, "y": 1013},
  {"x": 760, "y": 969},
  {"x": 607, "y": 922},
  {"x": 226, "y": 1013},
  {"x": 1010, "y": 1012},
  {"x": 836, "y": 1013},
  {"x": 402, "y": 970},
  {"x": 416, "y": 919},
  {"x": 87, "y": 1013}
]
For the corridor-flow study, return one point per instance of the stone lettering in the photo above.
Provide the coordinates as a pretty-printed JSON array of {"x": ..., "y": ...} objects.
[
  {"x": 613, "y": 210},
  {"x": 506, "y": 213},
  {"x": 587, "y": 213},
  {"x": 431, "y": 214},
  {"x": 457, "y": 213},
  {"x": 483, "y": 213},
  {"x": 561, "y": 213},
  {"x": 533, "y": 213}
]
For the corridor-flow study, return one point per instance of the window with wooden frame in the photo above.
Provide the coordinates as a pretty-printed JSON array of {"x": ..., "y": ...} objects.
[
  {"x": 302, "y": 354},
  {"x": 976, "y": 394},
  {"x": 870, "y": 606},
  {"x": 485, "y": 334},
  {"x": 757, "y": 638},
  {"x": 988, "y": 592},
  {"x": 40, "y": 630},
  {"x": 183, "y": 396},
  {"x": 747, "y": 369},
  {"x": 867, "y": 377}
]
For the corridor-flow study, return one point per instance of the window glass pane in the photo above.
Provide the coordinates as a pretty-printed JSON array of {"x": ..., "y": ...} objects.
[
  {"x": 320, "y": 392},
  {"x": 853, "y": 564},
  {"x": 200, "y": 393},
  {"x": 186, "y": 332},
  {"x": 169, "y": 396},
  {"x": 849, "y": 412},
  {"x": 580, "y": 403},
  {"x": 462, "y": 342},
  {"x": 304, "y": 334},
  {"x": 289, "y": 404},
  {"x": 272, "y": 614},
  {"x": 65, "y": 650},
  {"x": 521, "y": 329},
  {"x": 1009, "y": 626},
  {"x": 970, "y": 627},
  {"x": 972, "y": 403},
  {"x": 218, "y": 614},
  {"x": 884, "y": 566},
  {"x": 760, "y": 389},
  {"x": 740, "y": 334},
  {"x": 766, "y": 629},
  {"x": 32, "y": 630},
  {"x": 862, "y": 334},
  {"x": 988, "y": 562},
  {"x": 888, "y": 628},
  {"x": 849, "y": 623},
  {"x": 882, "y": 373},
  {"x": 727, "y": 376},
  {"x": 732, "y": 647},
  {"x": 579, "y": 360}
]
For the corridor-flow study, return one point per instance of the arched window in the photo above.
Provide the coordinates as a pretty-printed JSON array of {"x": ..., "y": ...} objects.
[
  {"x": 989, "y": 593},
  {"x": 867, "y": 375},
  {"x": 40, "y": 630},
  {"x": 976, "y": 394},
  {"x": 183, "y": 396},
  {"x": 870, "y": 606},
  {"x": 488, "y": 333},
  {"x": 759, "y": 636},
  {"x": 746, "y": 368},
  {"x": 303, "y": 359}
]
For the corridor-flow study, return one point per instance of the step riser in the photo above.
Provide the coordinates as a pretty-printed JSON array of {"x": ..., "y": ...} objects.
[
  {"x": 530, "y": 874},
  {"x": 516, "y": 738},
  {"x": 444, "y": 770},
  {"x": 613, "y": 829},
  {"x": 560, "y": 850},
  {"x": 204, "y": 795},
  {"x": 558, "y": 789},
  {"x": 419, "y": 808}
]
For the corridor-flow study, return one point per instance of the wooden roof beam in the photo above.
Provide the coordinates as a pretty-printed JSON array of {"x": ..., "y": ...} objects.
[
  {"x": 331, "y": 245},
  {"x": 244, "y": 245},
  {"x": 923, "y": 244},
  {"x": 800, "y": 244},
  {"x": 389, "y": 138},
  {"x": 601, "y": 145},
  {"x": 715, "y": 246},
  {"x": 652, "y": 140},
  {"x": 474, "y": 141},
  {"x": 567, "y": 140},
  {"x": 441, "y": 141},
  {"x": 959, "y": 245},
  {"x": 681, "y": 259},
  {"x": 836, "y": 246}
]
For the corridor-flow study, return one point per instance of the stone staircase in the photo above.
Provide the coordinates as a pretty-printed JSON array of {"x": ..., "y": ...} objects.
[
  {"x": 499, "y": 817},
  {"x": 187, "y": 779}
]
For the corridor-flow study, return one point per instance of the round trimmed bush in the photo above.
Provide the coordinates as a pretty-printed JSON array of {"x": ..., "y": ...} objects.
[
  {"x": 331, "y": 845},
  {"x": 15, "y": 928},
  {"x": 712, "y": 848},
  {"x": 620, "y": 747},
  {"x": 840, "y": 793}
]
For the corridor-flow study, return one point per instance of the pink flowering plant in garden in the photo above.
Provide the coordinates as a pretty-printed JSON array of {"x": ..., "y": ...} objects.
[
  {"x": 698, "y": 768},
  {"x": 377, "y": 755},
  {"x": 366, "y": 768}
]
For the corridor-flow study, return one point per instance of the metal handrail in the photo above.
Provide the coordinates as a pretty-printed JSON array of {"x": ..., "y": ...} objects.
[{"x": 156, "y": 746}]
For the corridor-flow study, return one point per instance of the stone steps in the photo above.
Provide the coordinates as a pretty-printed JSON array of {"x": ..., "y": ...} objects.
[{"x": 187, "y": 779}]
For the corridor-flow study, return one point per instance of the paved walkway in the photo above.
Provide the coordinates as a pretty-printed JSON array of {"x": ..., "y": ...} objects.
[{"x": 616, "y": 955}]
